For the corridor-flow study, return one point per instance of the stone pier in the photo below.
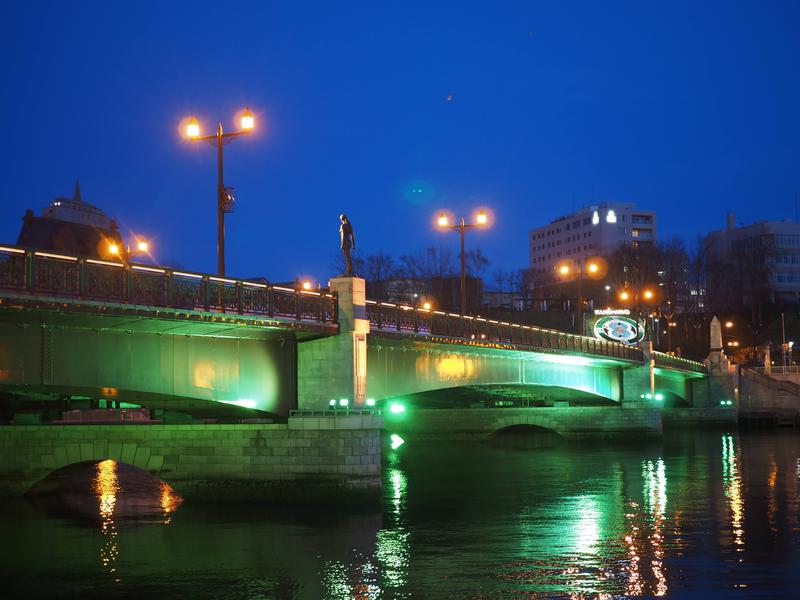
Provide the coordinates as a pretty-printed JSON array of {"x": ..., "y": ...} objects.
[{"x": 310, "y": 459}]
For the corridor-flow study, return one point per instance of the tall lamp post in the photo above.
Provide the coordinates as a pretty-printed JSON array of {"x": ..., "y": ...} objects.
[
  {"x": 593, "y": 269},
  {"x": 481, "y": 220},
  {"x": 220, "y": 139}
]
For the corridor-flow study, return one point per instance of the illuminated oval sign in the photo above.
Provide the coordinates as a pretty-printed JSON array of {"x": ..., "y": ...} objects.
[{"x": 618, "y": 329}]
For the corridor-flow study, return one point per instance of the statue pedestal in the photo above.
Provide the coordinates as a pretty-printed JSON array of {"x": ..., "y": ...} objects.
[{"x": 335, "y": 368}]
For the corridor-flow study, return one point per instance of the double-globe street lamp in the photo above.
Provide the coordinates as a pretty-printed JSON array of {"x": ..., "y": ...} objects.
[
  {"x": 224, "y": 201},
  {"x": 646, "y": 297},
  {"x": 594, "y": 268},
  {"x": 481, "y": 220}
]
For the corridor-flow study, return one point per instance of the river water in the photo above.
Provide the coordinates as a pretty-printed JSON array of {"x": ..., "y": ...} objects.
[{"x": 694, "y": 515}]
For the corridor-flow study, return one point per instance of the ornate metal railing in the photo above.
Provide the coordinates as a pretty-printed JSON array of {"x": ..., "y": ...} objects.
[
  {"x": 398, "y": 318},
  {"x": 37, "y": 273},
  {"x": 676, "y": 362}
]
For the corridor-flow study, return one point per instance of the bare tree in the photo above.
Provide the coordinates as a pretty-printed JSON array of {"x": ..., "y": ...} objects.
[
  {"x": 428, "y": 263},
  {"x": 476, "y": 262}
]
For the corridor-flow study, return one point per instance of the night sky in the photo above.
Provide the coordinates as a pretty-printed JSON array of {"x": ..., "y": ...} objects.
[{"x": 390, "y": 112}]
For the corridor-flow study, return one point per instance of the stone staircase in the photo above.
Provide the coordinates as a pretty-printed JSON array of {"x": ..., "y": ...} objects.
[{"x": 765, "y": 400}]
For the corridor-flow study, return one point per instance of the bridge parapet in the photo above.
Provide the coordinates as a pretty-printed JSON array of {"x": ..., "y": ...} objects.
[
  {"x": 33, "y": 273},
  {"x": 388, "y": 317},
  {"x": 679, "y": 364}
]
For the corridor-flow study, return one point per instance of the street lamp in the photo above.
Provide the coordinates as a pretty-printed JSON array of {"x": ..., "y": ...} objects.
[
  {"x": 247, "y": 123},
  {"x": 647, "y": 295},
  {"x": 594, "y": 268},
  {"x": 481, "y": 220},
  {"x": 117, "y": 250}
]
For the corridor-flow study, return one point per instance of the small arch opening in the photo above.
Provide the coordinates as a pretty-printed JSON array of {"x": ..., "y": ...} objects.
[{"x": 105, "y": 490}]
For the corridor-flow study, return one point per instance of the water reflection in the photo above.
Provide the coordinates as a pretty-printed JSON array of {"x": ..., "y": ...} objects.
[
  {"x": 106, "y": 486},
  {"x": 468, "y": 521},
  {"x": 732, "y": 483},
  {"x": 385, "y": 574},
  {"x": 392, "y": 545},
  {"x": 655, "y": 501}
]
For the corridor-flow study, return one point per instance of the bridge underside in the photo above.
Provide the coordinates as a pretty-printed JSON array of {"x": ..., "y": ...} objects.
[
  {"x": 399, "y": 367},
  {"x": 206, "y": 365},
  {"x": 500, "y": 395}
]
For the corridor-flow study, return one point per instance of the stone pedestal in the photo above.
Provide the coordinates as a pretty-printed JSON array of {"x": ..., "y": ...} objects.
[{"x": 335, "y": 368}]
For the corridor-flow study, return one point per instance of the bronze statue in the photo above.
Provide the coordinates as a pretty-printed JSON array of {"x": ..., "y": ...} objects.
[{"x": 348, "y": 242}]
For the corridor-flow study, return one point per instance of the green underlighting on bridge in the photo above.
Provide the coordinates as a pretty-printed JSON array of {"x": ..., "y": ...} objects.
[
  {"x": 370, "y": 402},
  {"x": 658, "y": 397},
  {"x": 397, "y": 408},
  {"x": 396, "y": 441},
  {"x": 344, "y": 402},
  {"x": 242, "y": 402},
  {"x": 565, "y": 359},
  {"x": 725, "y": 402}
]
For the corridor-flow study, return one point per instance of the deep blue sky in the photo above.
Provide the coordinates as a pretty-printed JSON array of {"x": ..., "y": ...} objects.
[{"x": 688, "y": 108}]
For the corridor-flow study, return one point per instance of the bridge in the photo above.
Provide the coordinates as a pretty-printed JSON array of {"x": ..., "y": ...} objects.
[
  {"x": 246, "y": 385},
  {"x": 76, "y": 329}
]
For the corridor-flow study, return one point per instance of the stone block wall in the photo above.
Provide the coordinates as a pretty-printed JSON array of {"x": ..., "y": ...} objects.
[
  {"x": 570, "y": 422},
  {"x": 295, "y": 461}
]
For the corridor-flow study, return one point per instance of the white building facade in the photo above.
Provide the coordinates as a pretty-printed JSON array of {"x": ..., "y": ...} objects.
[{"x": 595, "y": 230}]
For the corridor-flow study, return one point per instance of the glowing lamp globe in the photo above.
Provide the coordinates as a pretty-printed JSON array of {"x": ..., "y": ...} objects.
[
  {"x": 248, "y": 120},
  {"x": 192, "y": 128}
]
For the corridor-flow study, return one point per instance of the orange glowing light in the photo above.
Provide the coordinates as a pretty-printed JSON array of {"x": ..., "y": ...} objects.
[
  {"x": 248, "y": 120},
  {"x": 443, "y": 220},
  {"x": 192, "y": 128}
]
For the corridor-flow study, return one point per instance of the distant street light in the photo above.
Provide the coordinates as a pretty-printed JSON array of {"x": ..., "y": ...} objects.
[
  {"x": 646, "y": 295},
  {"x": 594, "y": 268},
  {"x": 481, "y": 220},
  {"x": 125, "y": 252},
  {"x": 224, "y": 201}
]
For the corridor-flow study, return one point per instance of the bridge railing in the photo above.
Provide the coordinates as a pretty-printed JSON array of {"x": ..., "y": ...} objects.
[
  {"x": 676, "y": 362},
  {"x": 399, "y": 318},
  {"x": 760, "y": 376},
  {"x": 48, "y": 274}
]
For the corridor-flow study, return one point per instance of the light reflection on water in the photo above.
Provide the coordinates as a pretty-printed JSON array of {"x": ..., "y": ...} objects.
[
  {"x": 708, "y": 513},
  {"x": 106, "y": 487}
]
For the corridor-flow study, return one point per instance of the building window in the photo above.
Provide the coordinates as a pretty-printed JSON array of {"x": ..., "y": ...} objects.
[{"x": 634, "y": 233}]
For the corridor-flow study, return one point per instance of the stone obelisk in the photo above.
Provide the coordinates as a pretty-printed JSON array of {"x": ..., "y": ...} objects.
[{"x": 716, "y": 362}]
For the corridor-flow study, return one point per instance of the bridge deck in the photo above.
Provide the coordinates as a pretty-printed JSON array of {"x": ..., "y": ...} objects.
[{"x": 85, "y": 292}]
